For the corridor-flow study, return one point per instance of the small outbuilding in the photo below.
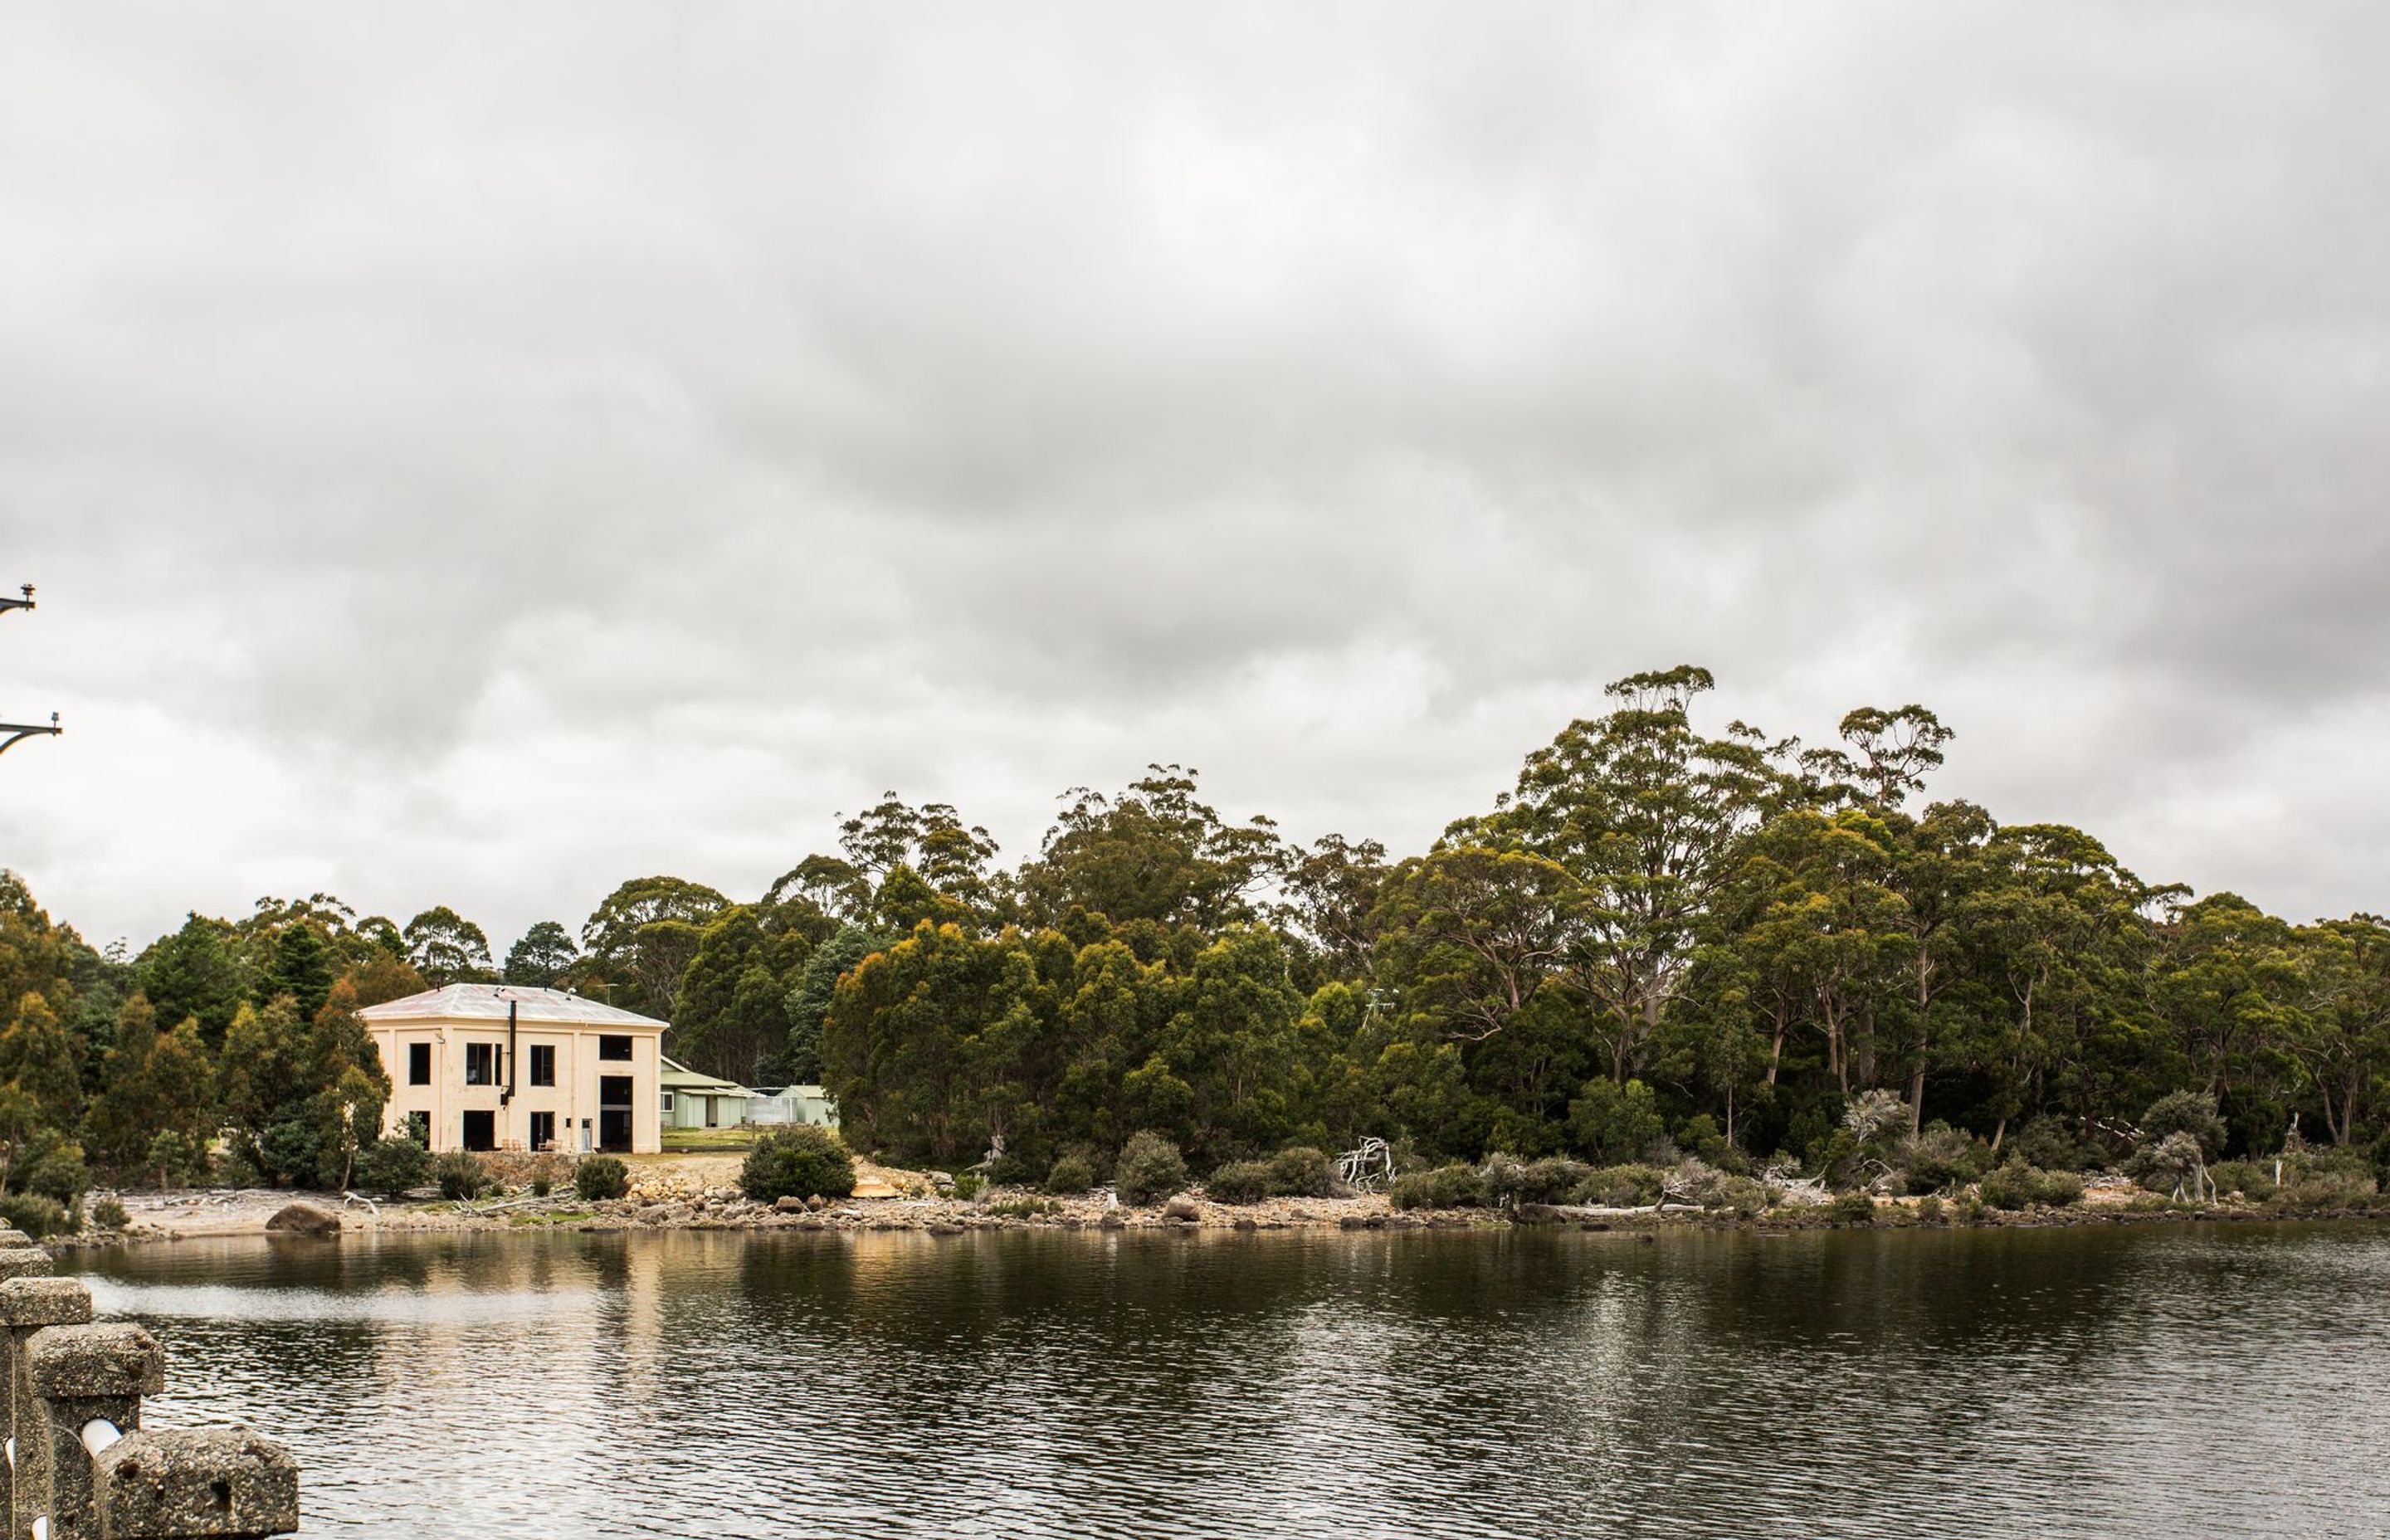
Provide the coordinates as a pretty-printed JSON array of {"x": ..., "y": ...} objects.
[
  {"x": 790, "y": 1104},
  {"x": 510, "y": 1067},
  {"x": 692, "y": 1100}
]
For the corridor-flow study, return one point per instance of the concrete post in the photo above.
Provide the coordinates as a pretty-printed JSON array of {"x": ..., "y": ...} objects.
[
  {"x": 79, "y": 1467},
  {"x": 81, "y": 1375}
]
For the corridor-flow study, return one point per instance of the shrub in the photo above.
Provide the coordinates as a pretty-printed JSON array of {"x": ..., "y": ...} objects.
[
  {"x": 1150, "y": 1169},
  {"x": 1745, "y": 1196},
  {"x": 108, "y": 1214},
  {"x": 1239, "y": 1182},
  {"x": 2191, "y": 1112},
  {"x": 2246, "y": 1177},
  {"x": 1452, "y": 1186},
  {"x": 1621, "y": 1187},
  {"x": 1929, "y": 1210},
  {"x": 1853, "y": 1208},
  {"x": 965, "y": 1187},
  {"x": 2325, "y": 1189},
  {"x": 460, "y": 1176},
  {"x": 1024, "y": 1207},
  {"x": 600, "y": 1178},
  {"x": 2018, "y": 1185},
  {"x": 541, "y": 1187},
  {"x": 1940, "y": 1157},
  {"x": 2047, "y": 1143},
  {"x": 392, "y": 1166},
  {"x": 37, "y": 1216},
  {"x": 1071, "y": 1174},
  {"x": 803, "y": 1160},
  {"x": 1299, "y": 1171},
  {"x": 1553, "y": 1179}
]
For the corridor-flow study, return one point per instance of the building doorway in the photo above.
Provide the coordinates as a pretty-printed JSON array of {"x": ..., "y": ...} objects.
[
  {"x": 614, "y": 1114},
  {"x": 481, "y": 1130}
]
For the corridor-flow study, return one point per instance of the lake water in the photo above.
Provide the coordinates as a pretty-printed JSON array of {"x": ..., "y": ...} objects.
[{"x": 2159, "y": 1379}]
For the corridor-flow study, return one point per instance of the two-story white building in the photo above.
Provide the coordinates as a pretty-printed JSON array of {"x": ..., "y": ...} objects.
[{"x": 509, "y": 1067}]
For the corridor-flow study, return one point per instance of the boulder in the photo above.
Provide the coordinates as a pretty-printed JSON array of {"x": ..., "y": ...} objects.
[
  {"x": 303, "y": 1219},
  {"x": 791, "y": 1203},
  {"x": 1183, "y": 1210}
]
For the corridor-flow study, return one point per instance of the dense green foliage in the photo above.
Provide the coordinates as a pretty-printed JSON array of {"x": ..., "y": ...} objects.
[
  {"x": 600, "y": 1178},
  {"x": 802, "y": 1160},
  {"x": 1660, "y": 942},
  {"x": 1150, "y": 1169},
  {"x": 393, "y": 1167}
]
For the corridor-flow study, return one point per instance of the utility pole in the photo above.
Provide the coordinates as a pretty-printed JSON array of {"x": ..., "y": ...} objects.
[{"x": 14, "y": 733}]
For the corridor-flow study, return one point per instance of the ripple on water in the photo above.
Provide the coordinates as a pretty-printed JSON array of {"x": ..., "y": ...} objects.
[{"x": 2173, "y": 1381}]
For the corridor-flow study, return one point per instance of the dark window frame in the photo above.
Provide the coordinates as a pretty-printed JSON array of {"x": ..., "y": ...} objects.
[
  {"x": 419, "y": 1064},
  {"x": 616, "y": 1048},
  {"x": 537, "y": 1142},
  {"x": 542, "y": 1064},
  {"x": 480, "y": 1063}
]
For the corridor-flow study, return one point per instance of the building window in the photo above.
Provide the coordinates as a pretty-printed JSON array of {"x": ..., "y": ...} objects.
[
  {"x": 667, "y": 1101},
  {"x": 419, "y": 1064},
  {"x": 613, "y": 1048},
  {"x": 419, "y": 1128},
  {"x": 542, "y": 1064},
  {"x": 480, "y": 1131},
  {"x": 480, "y": 1063},
  {"x": 543, "y": 1128}
]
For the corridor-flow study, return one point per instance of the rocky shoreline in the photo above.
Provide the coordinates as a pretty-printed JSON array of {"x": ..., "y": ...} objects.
[{"x": 686, "y": 1205}]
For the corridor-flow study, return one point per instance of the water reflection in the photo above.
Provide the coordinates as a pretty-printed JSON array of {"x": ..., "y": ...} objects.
[{"x": 2170, "y": 1382}]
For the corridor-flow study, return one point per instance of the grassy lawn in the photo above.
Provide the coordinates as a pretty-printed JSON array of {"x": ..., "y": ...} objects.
[{"x": 699, "y": 1141}]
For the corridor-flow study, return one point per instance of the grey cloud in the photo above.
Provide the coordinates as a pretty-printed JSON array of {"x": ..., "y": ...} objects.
[{"x": 575, "y": 440}]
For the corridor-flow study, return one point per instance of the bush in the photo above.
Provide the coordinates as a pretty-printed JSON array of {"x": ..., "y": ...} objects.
[
  {"x": 1071, "y": 1174},
  {"x": 1747, "y": 1197},
  {"x": 108, "y": 1214},
  {"x": 1853, "y": 1208},
  {"x": 1621, "y": 1187},
  {"x": 2326, "y": 1189},
  {"x": 1239, "y": 1182},
  {"x": 1940, "y": 1158},
  {"x": 460, "y": 1176},
  {"x": 2248, "y": 1178},
  {"x": 1299, "y": 1171},
  {"x": 2191, "y": 1112},
  {"x": 392, "y": 1166},
  {"x": 37, "y": 1216},
  {"x": 541, "y": 1187},
  {"x": 1445, "y": 1188},
  {"x": 1553, "y": 1179},
  {"x": 1929, "y": 1210},
  {"x": 1149, "y": 1170},
  {"x": 600, "y": 1178},
  {"x": 2018, "y": 1185},
  {"x": 2047, "y": 1143},
  {"x": 1025, "y": 1208},
  {"x": 965, "y": 1187},
  {"x": 803, "y": 1160}
]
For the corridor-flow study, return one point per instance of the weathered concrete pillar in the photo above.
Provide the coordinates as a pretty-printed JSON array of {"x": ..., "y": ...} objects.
[
  {"x": 173, "y": 1485},
  {"x": 78, "y": 1466},
  {"x": 27, "y": 1305},
  {"x": 80, "y": 1375}
]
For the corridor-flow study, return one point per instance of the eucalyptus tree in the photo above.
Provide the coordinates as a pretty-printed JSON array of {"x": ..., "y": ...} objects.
[
  {"x": 2344, "y": 1044},
  {"x": 446, "y": 949},
  {"x": 1647, "y": 818}
]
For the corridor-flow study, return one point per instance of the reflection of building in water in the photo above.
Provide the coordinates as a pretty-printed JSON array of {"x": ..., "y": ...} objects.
[{"x": 508, "y": 1067}]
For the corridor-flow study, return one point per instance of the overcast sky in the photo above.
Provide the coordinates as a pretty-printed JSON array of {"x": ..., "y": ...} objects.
[{"x": 478, "y": 453}]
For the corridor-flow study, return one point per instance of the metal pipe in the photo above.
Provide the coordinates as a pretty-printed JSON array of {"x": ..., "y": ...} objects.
[{"x": 509, "y": 1094}]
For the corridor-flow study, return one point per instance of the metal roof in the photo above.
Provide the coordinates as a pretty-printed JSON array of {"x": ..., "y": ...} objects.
[
  {"x": 488, "y": 1002},
  {"x": 677, "y": 1076}
]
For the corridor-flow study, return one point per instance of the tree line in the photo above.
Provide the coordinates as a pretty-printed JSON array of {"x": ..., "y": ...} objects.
[{"x": 1659, "y": 938}]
